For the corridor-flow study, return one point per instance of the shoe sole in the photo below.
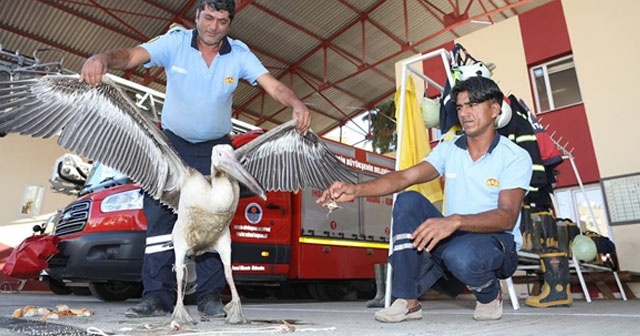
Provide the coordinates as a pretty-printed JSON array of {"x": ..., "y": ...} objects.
[
  {"x": 410, "y": 317},
  {"x": 136, "y": 315},
  {"x": 487, "y": 318}
]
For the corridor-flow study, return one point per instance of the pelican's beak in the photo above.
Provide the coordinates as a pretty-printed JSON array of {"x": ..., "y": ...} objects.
[{"x": 224, "y": 159}]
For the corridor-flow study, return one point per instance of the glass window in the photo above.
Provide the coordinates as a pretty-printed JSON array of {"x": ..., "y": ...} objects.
[
  {"x": 555, "y": 84},
  {"x": 572, "y": 203}
]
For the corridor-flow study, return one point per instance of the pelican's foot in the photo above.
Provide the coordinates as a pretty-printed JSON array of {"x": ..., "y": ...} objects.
[
  {"x": 180, "y": 317},
  {"x": 234, "y": 313}
]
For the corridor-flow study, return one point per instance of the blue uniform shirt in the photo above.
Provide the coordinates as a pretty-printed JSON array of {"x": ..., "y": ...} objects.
[
  {"x": 197, "y": 105},
  {"x": 473, "y": 187}
]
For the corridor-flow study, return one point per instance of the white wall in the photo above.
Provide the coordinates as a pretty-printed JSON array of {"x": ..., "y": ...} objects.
[
  {"x": 26, "y": 160},
  {"x": 604, "y": 39}
]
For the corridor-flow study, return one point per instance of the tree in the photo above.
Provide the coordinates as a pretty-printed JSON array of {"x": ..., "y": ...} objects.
[{"x": 383, "y": 134}]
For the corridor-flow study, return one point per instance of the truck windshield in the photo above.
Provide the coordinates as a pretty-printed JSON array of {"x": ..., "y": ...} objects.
[{"x": 101, "y": 173}]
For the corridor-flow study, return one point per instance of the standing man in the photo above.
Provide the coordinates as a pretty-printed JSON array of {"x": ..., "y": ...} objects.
[
  {"x": 475, "y": 243},
  {"x": 203, "y": 68}
]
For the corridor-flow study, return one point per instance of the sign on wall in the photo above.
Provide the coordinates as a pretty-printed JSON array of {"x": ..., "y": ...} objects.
[{"x": 622, "y": 198}]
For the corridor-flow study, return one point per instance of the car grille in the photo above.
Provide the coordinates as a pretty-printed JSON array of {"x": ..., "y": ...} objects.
[{"x": 74, "y": 218}]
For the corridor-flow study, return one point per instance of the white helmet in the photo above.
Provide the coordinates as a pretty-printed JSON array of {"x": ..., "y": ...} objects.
[
  {"x": 505, "y": 114},
  {"x": 476, "y": 69}
]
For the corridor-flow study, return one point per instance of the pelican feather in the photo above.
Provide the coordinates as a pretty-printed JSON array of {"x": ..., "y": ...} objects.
[
  {"x": 98, "y": 122},
  {"x": 284, "y": 160}
]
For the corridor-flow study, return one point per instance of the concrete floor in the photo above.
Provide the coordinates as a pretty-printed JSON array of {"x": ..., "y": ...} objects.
[{"x": 441, "y": 317}]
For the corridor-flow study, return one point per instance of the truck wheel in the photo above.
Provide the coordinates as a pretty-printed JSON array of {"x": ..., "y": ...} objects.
[
  {"x": 58, "y": 287},
  {"x": 114, "y": 291}
]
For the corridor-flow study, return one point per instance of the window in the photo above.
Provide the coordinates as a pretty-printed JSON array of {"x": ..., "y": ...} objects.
[
  {"x": 555, "y": 84},
  {"x": 572, "y": 204}
]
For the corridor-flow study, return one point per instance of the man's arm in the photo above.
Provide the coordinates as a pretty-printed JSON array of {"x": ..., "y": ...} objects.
[
  {"x": 285, "y": 96},
  {"x": 119, "y": 59},
  {"x": 503, "y": 218},
  {"x": 384, "y": 185}
]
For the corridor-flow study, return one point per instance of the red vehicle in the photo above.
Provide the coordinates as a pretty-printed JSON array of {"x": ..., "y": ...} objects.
[{"x": 287, "y": 246}]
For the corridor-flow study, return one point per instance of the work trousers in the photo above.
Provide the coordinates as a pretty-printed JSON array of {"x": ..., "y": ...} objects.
[
  {"x": 476, "y": 260},
  {"x": 158, "y": 277}
]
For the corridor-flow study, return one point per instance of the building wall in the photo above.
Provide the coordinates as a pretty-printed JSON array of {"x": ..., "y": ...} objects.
[
  {"x": 26, "y": 160},
  {"x": 604, "y": 42}
]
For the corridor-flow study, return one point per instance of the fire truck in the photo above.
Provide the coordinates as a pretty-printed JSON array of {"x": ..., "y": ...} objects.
[{"x": 287, "y": 246}]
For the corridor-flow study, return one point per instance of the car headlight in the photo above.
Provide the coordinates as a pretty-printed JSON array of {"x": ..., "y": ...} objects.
[{"x": 128, "y": 200}]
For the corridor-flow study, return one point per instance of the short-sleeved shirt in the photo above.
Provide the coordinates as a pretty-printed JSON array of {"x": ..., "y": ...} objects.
[
  {"x": 473, "y": 187},
  {"x": 198, "y": 100}
]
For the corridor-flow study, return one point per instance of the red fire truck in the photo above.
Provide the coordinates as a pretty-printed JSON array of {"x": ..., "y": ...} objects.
[{"x": 287, "y": 246}]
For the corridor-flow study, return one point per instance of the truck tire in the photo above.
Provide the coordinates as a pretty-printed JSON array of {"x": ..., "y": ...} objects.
[
  {"x": 58, "y": 287},
  {"x": 115, "y": 290}
]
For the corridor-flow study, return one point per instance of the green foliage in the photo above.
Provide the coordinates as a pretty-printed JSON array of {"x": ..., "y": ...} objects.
[{"x": 383, "y": 127}]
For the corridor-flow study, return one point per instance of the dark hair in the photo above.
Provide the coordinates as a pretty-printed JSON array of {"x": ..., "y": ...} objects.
[
  {"x": 220, "y": 5},
  {"x": 479, "y": 89}
]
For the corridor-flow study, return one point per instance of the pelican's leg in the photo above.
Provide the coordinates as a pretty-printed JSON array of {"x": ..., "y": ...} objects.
[
  {"x": 180, "y": 313},
  {"x": 233, "y": 308}
]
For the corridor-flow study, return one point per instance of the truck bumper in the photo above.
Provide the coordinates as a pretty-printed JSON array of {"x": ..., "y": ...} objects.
[{"x": 98, "y": 257}]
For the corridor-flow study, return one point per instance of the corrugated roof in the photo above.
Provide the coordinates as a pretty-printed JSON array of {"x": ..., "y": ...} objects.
[{"x": 315, "y": 46}]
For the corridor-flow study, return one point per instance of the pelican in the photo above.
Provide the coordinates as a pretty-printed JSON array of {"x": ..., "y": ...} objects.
[{"x": 101, "y": 123}]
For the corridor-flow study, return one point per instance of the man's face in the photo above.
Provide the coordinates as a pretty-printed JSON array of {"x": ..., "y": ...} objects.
[
  {"x": 212, "y": 25},
  {"x": 476, "y": 118}
]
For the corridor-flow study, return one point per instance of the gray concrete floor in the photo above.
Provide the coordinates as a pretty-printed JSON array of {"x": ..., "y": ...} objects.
[{"x": 441, "y": 317}]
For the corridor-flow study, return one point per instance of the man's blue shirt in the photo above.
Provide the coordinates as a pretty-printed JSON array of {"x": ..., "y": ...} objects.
[
  {"x": 198, "y": 100},
  {"x": 473, "y": 187}
]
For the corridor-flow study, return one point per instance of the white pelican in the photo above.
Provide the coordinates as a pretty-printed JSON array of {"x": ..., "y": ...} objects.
[{"x": 103, "y": 124}]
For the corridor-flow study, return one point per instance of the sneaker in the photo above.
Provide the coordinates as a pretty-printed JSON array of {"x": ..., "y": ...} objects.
[
  {"x": 148, "y": 307},
  {"x": 398, "y": 312},
  {"x": 211, "y": 306},
  {"x": 489, "y": 311}
]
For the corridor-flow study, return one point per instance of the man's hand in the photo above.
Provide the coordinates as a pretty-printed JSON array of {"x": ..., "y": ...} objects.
[
  {"x": 337, "y": 192},
  {"x": 432, "y": 231},
  {"x": 93, "y": 69},
  {"x": 303, "y": 116}
]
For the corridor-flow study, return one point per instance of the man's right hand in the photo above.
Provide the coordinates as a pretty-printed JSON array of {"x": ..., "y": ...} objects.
[
  {"x": 93, "y": 69},
  {"x": 338, "y": 192}
]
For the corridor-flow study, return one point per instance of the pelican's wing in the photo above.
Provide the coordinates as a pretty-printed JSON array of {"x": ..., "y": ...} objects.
[
  {"x": 98, "y": 122},
  {"x": 284, "y": 160}
]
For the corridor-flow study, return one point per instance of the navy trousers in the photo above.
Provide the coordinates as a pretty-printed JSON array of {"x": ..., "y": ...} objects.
[
  {"x": 158, "y": 277},
  {"x": 476, "y": 260}
]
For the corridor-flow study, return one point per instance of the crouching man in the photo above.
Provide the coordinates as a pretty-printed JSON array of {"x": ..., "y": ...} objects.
[{"x": 475, "y": 242}]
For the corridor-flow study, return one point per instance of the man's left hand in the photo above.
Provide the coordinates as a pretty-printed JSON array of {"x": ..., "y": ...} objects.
[{"x": 432, "y": 231}]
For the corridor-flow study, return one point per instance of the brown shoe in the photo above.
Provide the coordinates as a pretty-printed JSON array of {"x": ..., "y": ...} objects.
[
  {"x": 398, "y": 312},
  {"x": 489, "y": 311}
]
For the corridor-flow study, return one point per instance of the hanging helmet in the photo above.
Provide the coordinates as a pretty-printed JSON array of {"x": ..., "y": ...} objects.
[
  {"x": 504, "y": 117},
  {"x": 476, "y": 69}
]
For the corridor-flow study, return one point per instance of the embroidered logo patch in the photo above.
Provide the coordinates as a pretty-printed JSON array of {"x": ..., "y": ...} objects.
[
  {"x": 229, "y": 80},
  {"x": 493, "y": 182}
]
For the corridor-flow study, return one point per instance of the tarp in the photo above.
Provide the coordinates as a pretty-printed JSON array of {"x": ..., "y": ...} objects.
[{"x": 414, "y": 141}]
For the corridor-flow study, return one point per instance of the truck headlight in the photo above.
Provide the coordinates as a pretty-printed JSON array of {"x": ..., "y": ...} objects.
[{"x": 128, "y": 200}]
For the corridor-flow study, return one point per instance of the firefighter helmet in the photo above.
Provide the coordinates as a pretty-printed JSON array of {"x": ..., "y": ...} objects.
[
  {"x": 504, "y": 117},
  {"x": 475, "y": 69}
]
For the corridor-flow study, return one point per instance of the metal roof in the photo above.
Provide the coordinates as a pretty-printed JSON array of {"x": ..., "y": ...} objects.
[{"x": 338, "y": 55}]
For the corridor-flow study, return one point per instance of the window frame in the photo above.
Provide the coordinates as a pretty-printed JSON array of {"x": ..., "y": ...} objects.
[{"x": 549, "y": 90}]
